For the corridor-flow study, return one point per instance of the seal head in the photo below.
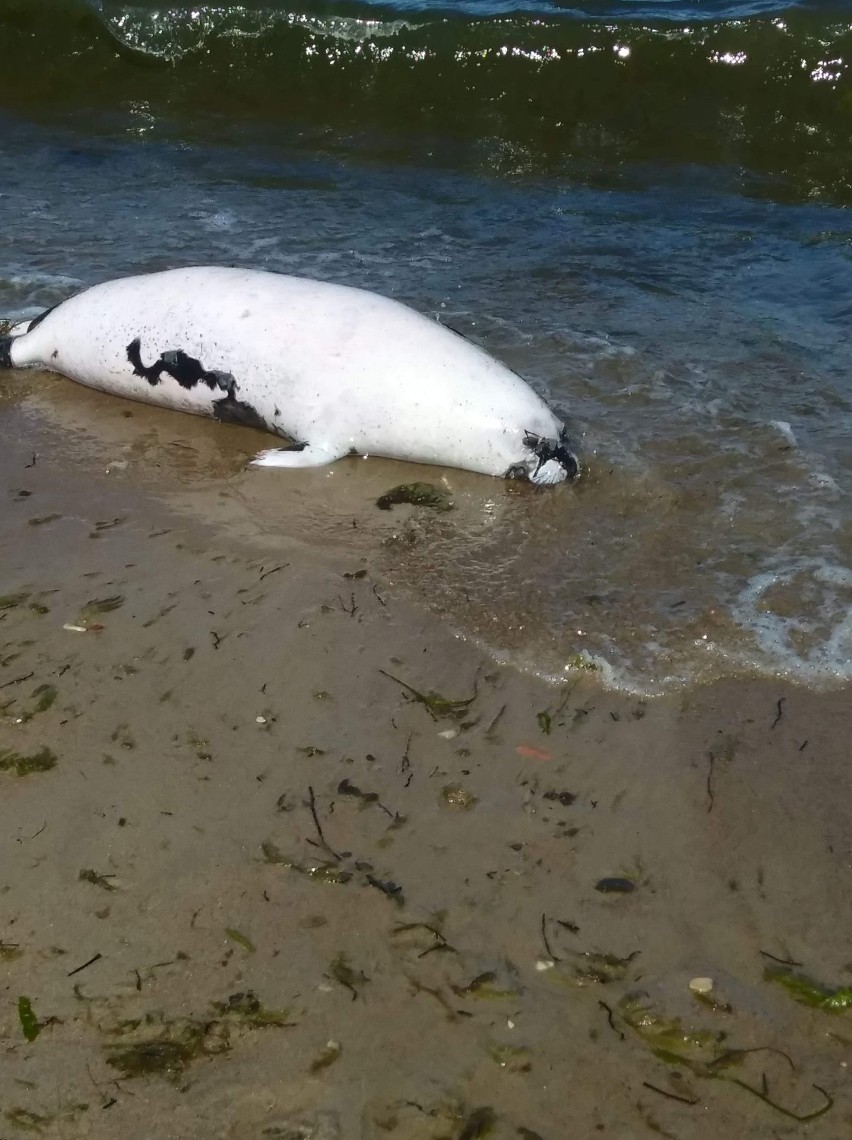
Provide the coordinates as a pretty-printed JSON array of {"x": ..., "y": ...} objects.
[{"x": 550, "y": 460}]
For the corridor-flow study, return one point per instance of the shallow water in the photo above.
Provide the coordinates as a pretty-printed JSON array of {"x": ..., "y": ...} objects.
[{"x": 641, "y": 212}]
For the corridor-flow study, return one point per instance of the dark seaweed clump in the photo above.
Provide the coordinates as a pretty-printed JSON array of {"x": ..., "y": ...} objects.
[{"x": 418, "y": 495}]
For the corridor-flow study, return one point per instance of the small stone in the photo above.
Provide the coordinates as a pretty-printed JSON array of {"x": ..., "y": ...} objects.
[
  {"x": 615, "y": 886},
  {"x": 701, "y": 985}
]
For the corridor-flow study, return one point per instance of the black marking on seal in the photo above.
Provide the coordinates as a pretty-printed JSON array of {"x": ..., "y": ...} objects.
[
  {"x": 188, "y": 372},
  {"x": 6, "y": 352},
  {"x": 181, "y": 367},
  {"x": 230, "y": 410},
  {"x": 36, "y": 321}
]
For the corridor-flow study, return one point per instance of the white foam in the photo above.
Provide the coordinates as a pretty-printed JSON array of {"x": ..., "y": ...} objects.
[
  {"x": 49, "y": 280},
  {"x": 823, "y": 482},
  {"x": 785, "y": 429},
  {"x": 825, "y": 620}
]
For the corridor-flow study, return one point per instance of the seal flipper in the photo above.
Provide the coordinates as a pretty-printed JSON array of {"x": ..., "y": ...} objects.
[{"x": 311, "y": 455}]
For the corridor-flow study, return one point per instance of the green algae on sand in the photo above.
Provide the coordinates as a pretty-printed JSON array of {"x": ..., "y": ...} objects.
[
  {"x": 29, "y": 1022},
  {"x": 180, "y": 1041},
  {"x": 41, "y": 761},
  {"x": 436, "y": 705},
  {"x": 833, "y": 999}
]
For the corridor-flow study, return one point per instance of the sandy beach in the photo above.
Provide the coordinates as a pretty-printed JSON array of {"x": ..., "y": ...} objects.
[{"x": 285, "y": 857}]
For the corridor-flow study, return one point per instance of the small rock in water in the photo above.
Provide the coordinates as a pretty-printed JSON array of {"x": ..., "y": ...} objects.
[
  {"x": 701, "y": 985},
  {"x": 615, "y": 886}
]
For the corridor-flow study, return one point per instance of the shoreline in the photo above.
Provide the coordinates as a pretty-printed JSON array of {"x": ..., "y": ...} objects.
[{"x": 245, "y": 803}]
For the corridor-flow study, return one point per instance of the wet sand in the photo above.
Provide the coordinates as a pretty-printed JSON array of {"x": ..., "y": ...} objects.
[{"x": 266, "y": 891}]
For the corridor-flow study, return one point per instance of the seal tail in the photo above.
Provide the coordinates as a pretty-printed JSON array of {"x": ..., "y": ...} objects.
[{"x": 11, "y": 330}]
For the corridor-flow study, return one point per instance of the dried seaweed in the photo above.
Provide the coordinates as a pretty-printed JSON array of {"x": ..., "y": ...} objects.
[
  {"x": 418, "y": 934},
  {"x": 102, "y": 881},
  {"x": 345, "y": 976},
  {"x": 801, "y": 1117}
]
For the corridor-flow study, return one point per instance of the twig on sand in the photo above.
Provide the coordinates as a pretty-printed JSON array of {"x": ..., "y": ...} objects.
[
  {"x": 780, "y": 713},
  {"x": 550, "y": 953},
  {"x": 78, "y": 969},
  {"x": 312, "y": 803},
  {"x": 669, "y": 1095}
]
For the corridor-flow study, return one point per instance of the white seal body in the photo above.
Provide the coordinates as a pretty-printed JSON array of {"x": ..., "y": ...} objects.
[{"x": 336, "y": 370}]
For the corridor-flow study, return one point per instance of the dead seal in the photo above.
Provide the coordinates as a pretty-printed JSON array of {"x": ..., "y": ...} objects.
[{"x": 336, "y": 370}]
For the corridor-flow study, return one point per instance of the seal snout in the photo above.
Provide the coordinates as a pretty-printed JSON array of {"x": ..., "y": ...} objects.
[{"x": 553, "y": 462}]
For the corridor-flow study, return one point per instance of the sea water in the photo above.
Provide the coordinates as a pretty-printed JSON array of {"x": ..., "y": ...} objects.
[{"x": 641, "y": 207}]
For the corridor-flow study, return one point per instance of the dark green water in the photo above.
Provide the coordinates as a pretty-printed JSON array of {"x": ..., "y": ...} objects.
[
  {"x": 641, "y": 207},
  {"x": 506, "y": 88}
]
